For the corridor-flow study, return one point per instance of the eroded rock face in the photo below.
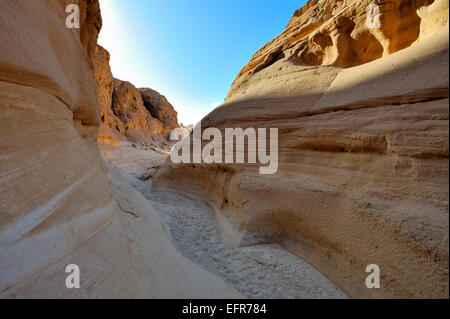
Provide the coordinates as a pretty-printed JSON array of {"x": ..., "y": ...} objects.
[
  {"x": 90, "y": 21},
  {"x": 336, "y": 34},
  {"x": 160, "y": 109},
  {"x": 111, "y": 129},
  {"x": 139, "y": 124},
  {"x": 57, "y": 206},
  {"x": 53, "y": 192},
  {"x": 362, "y": 117},
  {"x": 127, "y": 113}
]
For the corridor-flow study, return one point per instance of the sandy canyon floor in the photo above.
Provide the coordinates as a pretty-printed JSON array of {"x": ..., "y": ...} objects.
[{"x": 257, "y": 267}]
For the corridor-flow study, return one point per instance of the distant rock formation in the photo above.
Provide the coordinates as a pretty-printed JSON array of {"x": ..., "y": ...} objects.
[
  {"x": 128, "y": 113},
  {"x": 362, "y": 115}
]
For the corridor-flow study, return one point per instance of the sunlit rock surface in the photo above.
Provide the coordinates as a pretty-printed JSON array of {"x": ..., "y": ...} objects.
[
  {"x": 57, "y": 205},
  {"x": 161, "y": 109},
  {"x": 362, "y": 116},
  {"x": 111, "y": 129}
]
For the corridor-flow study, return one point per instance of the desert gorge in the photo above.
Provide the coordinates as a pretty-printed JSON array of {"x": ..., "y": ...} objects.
[{"x": 353, "y": 95}]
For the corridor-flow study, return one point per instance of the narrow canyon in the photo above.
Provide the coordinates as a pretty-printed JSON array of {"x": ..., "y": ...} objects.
[{"x": 362, "y": 112}]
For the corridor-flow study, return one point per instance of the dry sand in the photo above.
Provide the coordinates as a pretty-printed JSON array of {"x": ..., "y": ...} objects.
[{"x": 257, "y": 267}]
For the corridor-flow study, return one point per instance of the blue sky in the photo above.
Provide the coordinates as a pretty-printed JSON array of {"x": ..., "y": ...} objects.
[{"x": 189, "y": 50}]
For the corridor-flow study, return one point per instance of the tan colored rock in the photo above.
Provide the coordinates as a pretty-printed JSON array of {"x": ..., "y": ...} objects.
[
  {"x": 433, "y": 18},
  {"x": 90, "y": 20},
  {"x": 333, "y": 34},
  {"x": 362, "y": 117},
  {"x": 140, "y": 125},
  {"x": 127, "y": 113},
  {"x": 53, "y": 193},
  {"x": 111, "y": 129},
  {"x": 161, "y": 109},
  {"x": 56, "y": 203}
]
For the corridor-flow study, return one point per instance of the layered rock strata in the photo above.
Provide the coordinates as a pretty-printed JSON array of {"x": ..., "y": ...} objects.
[
  {"x": 362, "y": 118},
  {"x": 112, "y": 130}
]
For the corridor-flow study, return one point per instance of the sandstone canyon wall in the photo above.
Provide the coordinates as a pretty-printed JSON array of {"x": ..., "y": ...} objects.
[
  {"x": 128, "y": 113},
  {"x": 54, "y": 195},
  {"x": 57, "y": 205},
  {"x": 362, "y": 115}
]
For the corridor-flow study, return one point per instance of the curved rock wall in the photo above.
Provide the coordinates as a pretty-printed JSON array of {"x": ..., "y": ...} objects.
[
  {"x": 363, "y": 127},
  {"x": 161, "y": 109},
  {"x": 53, "y": 192},
  {"x": 128, "y": 113},
  {"x": 57, "y": 206}
]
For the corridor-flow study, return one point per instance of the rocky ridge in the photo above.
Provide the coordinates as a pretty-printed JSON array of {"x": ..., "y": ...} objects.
[
  {"x": 362, "y": 179},
  {"x": 60, "y": 203}
]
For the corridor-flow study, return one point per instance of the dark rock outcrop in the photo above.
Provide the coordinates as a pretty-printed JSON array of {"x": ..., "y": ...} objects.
[
  {"x": 128, "y": 106},
  {"x": 112, "y": 130}
]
